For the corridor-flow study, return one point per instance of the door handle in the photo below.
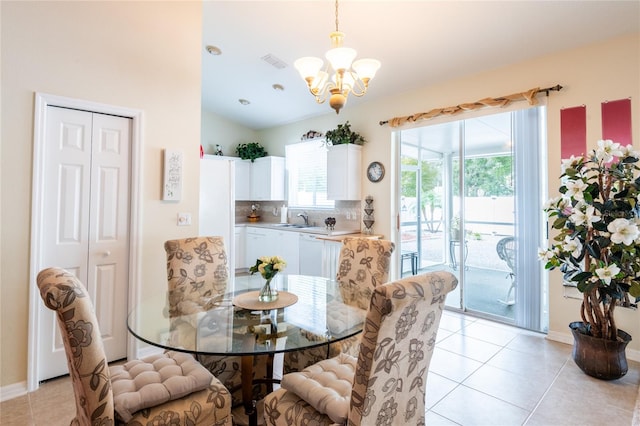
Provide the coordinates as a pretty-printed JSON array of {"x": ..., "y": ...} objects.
[{"x": 107, "y": 253}]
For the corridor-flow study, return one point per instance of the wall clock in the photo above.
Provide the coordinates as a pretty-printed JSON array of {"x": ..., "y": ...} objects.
[{"x": 375, "y": 171}]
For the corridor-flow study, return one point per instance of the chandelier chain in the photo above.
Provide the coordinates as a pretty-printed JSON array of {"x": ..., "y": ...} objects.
[{"x": 337, "y": 16}]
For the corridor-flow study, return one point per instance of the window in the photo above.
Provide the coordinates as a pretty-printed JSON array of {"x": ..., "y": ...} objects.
[{"x": 307, "y": 171}]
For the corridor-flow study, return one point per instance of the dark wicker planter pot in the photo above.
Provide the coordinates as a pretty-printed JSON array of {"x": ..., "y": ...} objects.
[{"x": 599, "y": 358}]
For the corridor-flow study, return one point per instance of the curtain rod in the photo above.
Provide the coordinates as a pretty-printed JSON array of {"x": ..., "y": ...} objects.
[{"x": 501, "y": 101}]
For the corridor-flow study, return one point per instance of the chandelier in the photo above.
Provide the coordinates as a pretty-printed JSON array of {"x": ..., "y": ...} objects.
[{"x": 341, "y": 76}]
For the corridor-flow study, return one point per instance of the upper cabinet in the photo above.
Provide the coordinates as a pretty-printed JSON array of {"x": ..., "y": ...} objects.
[
  {"x": 344, "y": 167},
  {"x": 243, "y": 180},
  {"x": 262, "y": 180}
]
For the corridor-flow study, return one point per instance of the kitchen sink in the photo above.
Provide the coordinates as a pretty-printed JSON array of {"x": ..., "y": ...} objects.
[{"x": 310, "y": 228}]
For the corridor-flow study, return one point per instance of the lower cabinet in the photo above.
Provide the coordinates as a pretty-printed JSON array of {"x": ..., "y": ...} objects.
[
  {"x": 330, "y": 257},
  {"x": 240, "y": 240},
  {"x": 270, "y": 242}
]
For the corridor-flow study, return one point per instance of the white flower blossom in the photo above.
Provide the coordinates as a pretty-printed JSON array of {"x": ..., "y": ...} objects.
[
  {"x": 569, "y": 163},
  {"x": 587, "y": 217},
  {"x": 572, "y": 245},
  {"x": 607, "y": 151},
  {"x": 606, "y": 273},
  {"x": 628, "y": 151},
  {"x": 623, "y": 231},
  {"x": 575, "y": 189},
  {"x": 545, "y": 254},
  {"x": 552, "y": 203}
]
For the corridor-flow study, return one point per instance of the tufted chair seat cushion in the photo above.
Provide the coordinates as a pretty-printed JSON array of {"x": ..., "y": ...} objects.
[
  {"x": 326, "y": 386},
  {"x": 154, "y": 380},
  {"x": 343, "y": 317}
]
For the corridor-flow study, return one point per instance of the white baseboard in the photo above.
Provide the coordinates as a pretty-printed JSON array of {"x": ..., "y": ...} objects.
[
  {"x": 13, "y": 391},
  {"x": 632, "y": 354}
]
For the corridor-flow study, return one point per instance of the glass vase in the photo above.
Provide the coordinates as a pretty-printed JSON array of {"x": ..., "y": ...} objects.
[{"x": 268, "y": 293}]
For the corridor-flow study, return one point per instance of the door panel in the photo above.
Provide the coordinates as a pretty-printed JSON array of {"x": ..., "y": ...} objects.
[
  {"x": 86, "y": 232},
  {"x": 491, "y": 168},
  {"x": 109, "y": 230}
]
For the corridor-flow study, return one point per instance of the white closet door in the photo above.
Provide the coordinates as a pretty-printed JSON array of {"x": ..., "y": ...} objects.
[{"x": 86, "y": 222}]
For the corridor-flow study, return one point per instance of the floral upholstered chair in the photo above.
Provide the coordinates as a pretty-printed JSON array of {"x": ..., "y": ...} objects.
[
  {"x": 170, "y": 388},
  {"x": 363, "y": 264},
  {"x": 386, "y": 383},
  {"x": 198, "y": 275}
]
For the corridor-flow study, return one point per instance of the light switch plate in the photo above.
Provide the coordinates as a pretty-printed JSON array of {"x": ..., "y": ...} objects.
[{"x": 184, "y": 219}]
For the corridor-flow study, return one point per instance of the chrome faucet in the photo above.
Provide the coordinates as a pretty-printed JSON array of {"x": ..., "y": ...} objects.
[{"x": 305, "y": 216}]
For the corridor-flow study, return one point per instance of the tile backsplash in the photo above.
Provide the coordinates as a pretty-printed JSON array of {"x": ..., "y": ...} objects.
[{"x": 348, "y": 214}]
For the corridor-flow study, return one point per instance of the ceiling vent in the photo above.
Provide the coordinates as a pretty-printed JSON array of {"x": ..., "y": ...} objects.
[{"x": 272, "y": 60}]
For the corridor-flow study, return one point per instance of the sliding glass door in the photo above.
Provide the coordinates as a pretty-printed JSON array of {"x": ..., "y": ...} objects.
[{"x": 471, "y": 203}]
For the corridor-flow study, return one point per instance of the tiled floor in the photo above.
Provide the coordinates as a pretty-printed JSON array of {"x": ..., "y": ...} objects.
[{"x": 482, "y": 373}]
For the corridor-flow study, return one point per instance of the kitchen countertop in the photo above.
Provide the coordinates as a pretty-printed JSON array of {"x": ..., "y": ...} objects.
[
  {"x": 318, "y": 230},
  {"x": 339, "y": 238}
]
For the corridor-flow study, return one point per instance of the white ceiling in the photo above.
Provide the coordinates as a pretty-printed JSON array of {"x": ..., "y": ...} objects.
[{"x": 419, "y": 43}]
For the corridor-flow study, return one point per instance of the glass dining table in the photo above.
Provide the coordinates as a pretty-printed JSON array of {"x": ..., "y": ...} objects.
[{"x": 314, "y": 316}]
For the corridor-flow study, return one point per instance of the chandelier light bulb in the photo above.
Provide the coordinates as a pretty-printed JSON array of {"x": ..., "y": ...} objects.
[{"x": 340, "y": 76}]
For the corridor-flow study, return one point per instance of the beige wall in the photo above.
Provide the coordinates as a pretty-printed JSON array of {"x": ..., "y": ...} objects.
[
  {"x": 590, "y": 75},
  {"x": 141, "y": 55},
  {"x": 125, "y": 54},
  {"x": 226, "y": 133}
]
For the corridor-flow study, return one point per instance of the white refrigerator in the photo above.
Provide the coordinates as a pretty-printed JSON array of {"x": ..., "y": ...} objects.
[{"x": 217, "y": 204}]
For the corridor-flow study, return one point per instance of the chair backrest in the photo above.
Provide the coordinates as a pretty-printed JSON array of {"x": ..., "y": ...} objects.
[
  {"x": 397, "y": 343},
  {"x": 63, "y": 293},
  {"x": 363, "y": 264},
  {"x": 506, "y": 249},
  {"x": 198, "y": 273}
]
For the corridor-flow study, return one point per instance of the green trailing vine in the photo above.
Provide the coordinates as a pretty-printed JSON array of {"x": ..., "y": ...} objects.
[
  {"x": 250, "y": 151},
  {"x": 344, "y": 135}
]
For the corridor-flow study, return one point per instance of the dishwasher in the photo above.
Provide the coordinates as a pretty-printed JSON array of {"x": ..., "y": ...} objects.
[{"x": 310, "y": 254}]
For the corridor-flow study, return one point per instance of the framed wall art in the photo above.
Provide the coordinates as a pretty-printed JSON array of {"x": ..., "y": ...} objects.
[{"x": 172, "y": 179}]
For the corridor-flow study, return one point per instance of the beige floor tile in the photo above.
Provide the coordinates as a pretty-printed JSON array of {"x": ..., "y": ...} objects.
[
  {"x": 53, "y": 403},
  {"x": 437, "y": 388},
  {"x": 469, "y": 407},
  {"x": 453, "y": 321},
  {"x": 539, "y": 344},
  {"x": 544, "y": 365},
  {"x": 452, "y": 366},
  {"x": 469, "y": 347},
  {"x": 611, "y": 393},
  {"x": 491, "y": 334},
  {"x": 513, "y": 388},
  {"x": 16, "y": 411},
  {"x": 433, "y": 419}
]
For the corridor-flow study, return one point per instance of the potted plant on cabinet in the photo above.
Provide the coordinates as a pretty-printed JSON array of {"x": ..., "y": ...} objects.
[
  {"x": 597, "y": 247},
  {"x": 344, "y": 135},
  {"x": 250, "y": 151}
]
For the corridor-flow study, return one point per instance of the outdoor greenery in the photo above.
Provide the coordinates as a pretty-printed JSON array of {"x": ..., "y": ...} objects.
[
  {"x": 250, "y": 151},
  {"x": 597, "y": 245},
  {"x": 484, "y": 176}
]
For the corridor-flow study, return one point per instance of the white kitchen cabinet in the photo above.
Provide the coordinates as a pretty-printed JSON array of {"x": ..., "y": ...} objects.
[
  {"x": 256, "y": 244},
  {"x": 267, "y": 179},
  {"x": 240, "y": 240},
  {"x": 272, "y": 242},
  {"x": 344, "y": 172},
  {"x": 289, "y": 248},
  {"x": 330, "y": 257},
  {"x": 243, "y": 180}
]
